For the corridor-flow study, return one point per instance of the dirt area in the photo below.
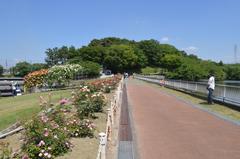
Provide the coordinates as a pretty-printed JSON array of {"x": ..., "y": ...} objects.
[{"x": 14, "y": 141}]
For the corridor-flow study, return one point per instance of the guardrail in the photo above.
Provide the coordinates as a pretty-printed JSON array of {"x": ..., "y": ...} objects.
[{"x": 222, "y": 93}]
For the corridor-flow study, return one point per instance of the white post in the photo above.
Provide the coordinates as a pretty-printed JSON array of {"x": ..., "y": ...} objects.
[
  {"x": 224, "y": 93},
  {"x": 103, "y": 141}
]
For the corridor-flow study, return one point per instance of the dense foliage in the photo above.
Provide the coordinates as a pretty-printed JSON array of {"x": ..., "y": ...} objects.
[
  {"x": 123, "y": 55},
  {"x": 1, "y": 70},
  {"x": 151, "y": 70},
  {"x": 61, "y": 74},
  {"x": 90, "y": 69},
  {"x": 23, "y": 68},
  {"x": 232, "y": 72},
  {"x": 146, "y": 56},
  {"x": 36, "y": 78}
]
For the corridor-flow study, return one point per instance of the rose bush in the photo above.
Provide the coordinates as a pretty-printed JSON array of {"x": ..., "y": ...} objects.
[
  {"x": 45, "y": 139},
  {"x": 87, "y": 102},
  {"x": 106, "y": 85},
  {"x": 61, "y": 74},
  {"x": 36, "y": 78},
  {"x": 48, "y": 134}
]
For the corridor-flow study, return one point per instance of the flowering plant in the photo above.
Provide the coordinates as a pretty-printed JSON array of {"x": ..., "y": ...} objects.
[
  {"x": 87, "y": 102},
  {"x": 48, "y": 134},
  {"x": 81, "y": 128},
  {"x": 61, "y": 74},
  {"x": 36, "y": 78},
  {"x": 97, "y": 102},
  {"x": 44, "y": 138},
  {"x": 106, "y": 85}
]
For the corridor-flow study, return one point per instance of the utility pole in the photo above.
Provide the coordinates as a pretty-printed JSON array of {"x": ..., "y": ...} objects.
[
  {"x": 235, "y": 53},
  {"x": 6, "y": 64}
]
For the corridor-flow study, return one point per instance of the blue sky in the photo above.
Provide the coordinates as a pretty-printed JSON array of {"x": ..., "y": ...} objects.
[{"x": 207, "y": 28}]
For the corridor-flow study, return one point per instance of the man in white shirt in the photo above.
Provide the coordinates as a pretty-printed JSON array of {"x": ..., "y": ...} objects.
[{"x": 211, "y": 87}]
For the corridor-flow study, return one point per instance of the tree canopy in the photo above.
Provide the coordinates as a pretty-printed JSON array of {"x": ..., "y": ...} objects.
[
  {"x": 121, "y": 55},
  {"x": 23, "y": 68},
  {"x": 1, "y": 70}
]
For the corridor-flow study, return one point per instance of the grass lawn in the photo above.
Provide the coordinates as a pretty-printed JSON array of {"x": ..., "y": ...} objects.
[
  {"x": 20, "y": 108},
  {"x": 217, "y": 108}
]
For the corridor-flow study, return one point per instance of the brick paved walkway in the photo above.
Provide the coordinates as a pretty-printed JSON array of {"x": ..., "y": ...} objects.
[{"x": 167, "y": 128}]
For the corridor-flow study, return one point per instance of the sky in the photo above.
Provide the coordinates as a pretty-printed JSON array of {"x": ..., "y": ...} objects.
[{"x": 206, "y": 28}]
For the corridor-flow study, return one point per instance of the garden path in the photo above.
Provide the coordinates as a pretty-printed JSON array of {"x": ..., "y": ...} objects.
[{"x": 165, "y": 127}]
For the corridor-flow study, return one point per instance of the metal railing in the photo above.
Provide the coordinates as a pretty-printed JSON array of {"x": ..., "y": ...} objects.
[{"x": 223, "y": 93}]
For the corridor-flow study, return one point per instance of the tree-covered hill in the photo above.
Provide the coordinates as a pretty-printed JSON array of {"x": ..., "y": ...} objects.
[{"x": 146, "y": 56}]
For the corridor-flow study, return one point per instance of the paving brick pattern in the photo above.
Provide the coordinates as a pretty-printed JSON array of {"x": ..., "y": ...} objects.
[{"x": 167, "y": 128}]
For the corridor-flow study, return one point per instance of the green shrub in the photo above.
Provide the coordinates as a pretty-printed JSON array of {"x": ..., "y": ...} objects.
[
  {"x": 97, "y": 102},
  {"x": 91, "y": 69},
  {"x": 78, "y": 128},
  {"x": 84, "y": 109},
  {"x": 150, "y": 70},
  {"x": 107, "y": 89}
]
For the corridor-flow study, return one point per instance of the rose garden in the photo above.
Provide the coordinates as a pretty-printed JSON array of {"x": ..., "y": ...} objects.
[{"x": 50, "y": 132}]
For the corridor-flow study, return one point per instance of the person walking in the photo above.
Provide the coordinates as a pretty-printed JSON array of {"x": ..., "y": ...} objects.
[
  {"x": 14, "y": 89},
  {"x": 210, "y": 88}
]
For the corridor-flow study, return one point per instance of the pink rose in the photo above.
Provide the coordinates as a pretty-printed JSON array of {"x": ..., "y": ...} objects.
[
  {"x": 41, "y": 143},
  {"x": 63, "y": 101},
  {"x": 46, "y": 132}
]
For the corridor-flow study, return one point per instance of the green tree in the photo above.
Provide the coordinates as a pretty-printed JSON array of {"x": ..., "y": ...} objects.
[
  {"x": 91, "y": 69},
  {"x": 52, "y": 56},
  {"x": 60, "y": 55},
  {"x": 72, "y": 52},
  {"x": 151, "y": 50},
  {"x": 22, "y": 68},
  {"x": 1, "y": 70},
  {"x": 38, "y": 66},
  {"x": 63, "y": 55},
  {"x": 211, "y": 67},
  {"x": 92, "y": 53},
  {"x": 109, "y": 41},
  {"x": 171, "y": 61},
  {"x": 151, "y": 70},
  {"x": 190, "y": 71},
  {"x": 220, "y": 63},
  {"x": 120, "y": 58},
  {"x": 168, "y": 49},
  {"x": 232, "y": 72}
]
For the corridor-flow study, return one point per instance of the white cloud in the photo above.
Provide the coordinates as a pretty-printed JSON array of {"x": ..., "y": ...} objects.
[
  {"x": 164, "y": 39},
  {"x": 191, "y": 50}
]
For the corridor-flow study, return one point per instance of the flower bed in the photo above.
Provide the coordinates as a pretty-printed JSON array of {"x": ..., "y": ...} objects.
[
  {"x": 48, "y": 134},
  {"x": 58, "y": 75},
  {"x": 106, "y": 85}
]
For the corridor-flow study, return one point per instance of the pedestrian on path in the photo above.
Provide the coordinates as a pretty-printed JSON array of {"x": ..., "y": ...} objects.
[
  {"x": 210, "y": 88},
  {"x": 125, "y": 75}
]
